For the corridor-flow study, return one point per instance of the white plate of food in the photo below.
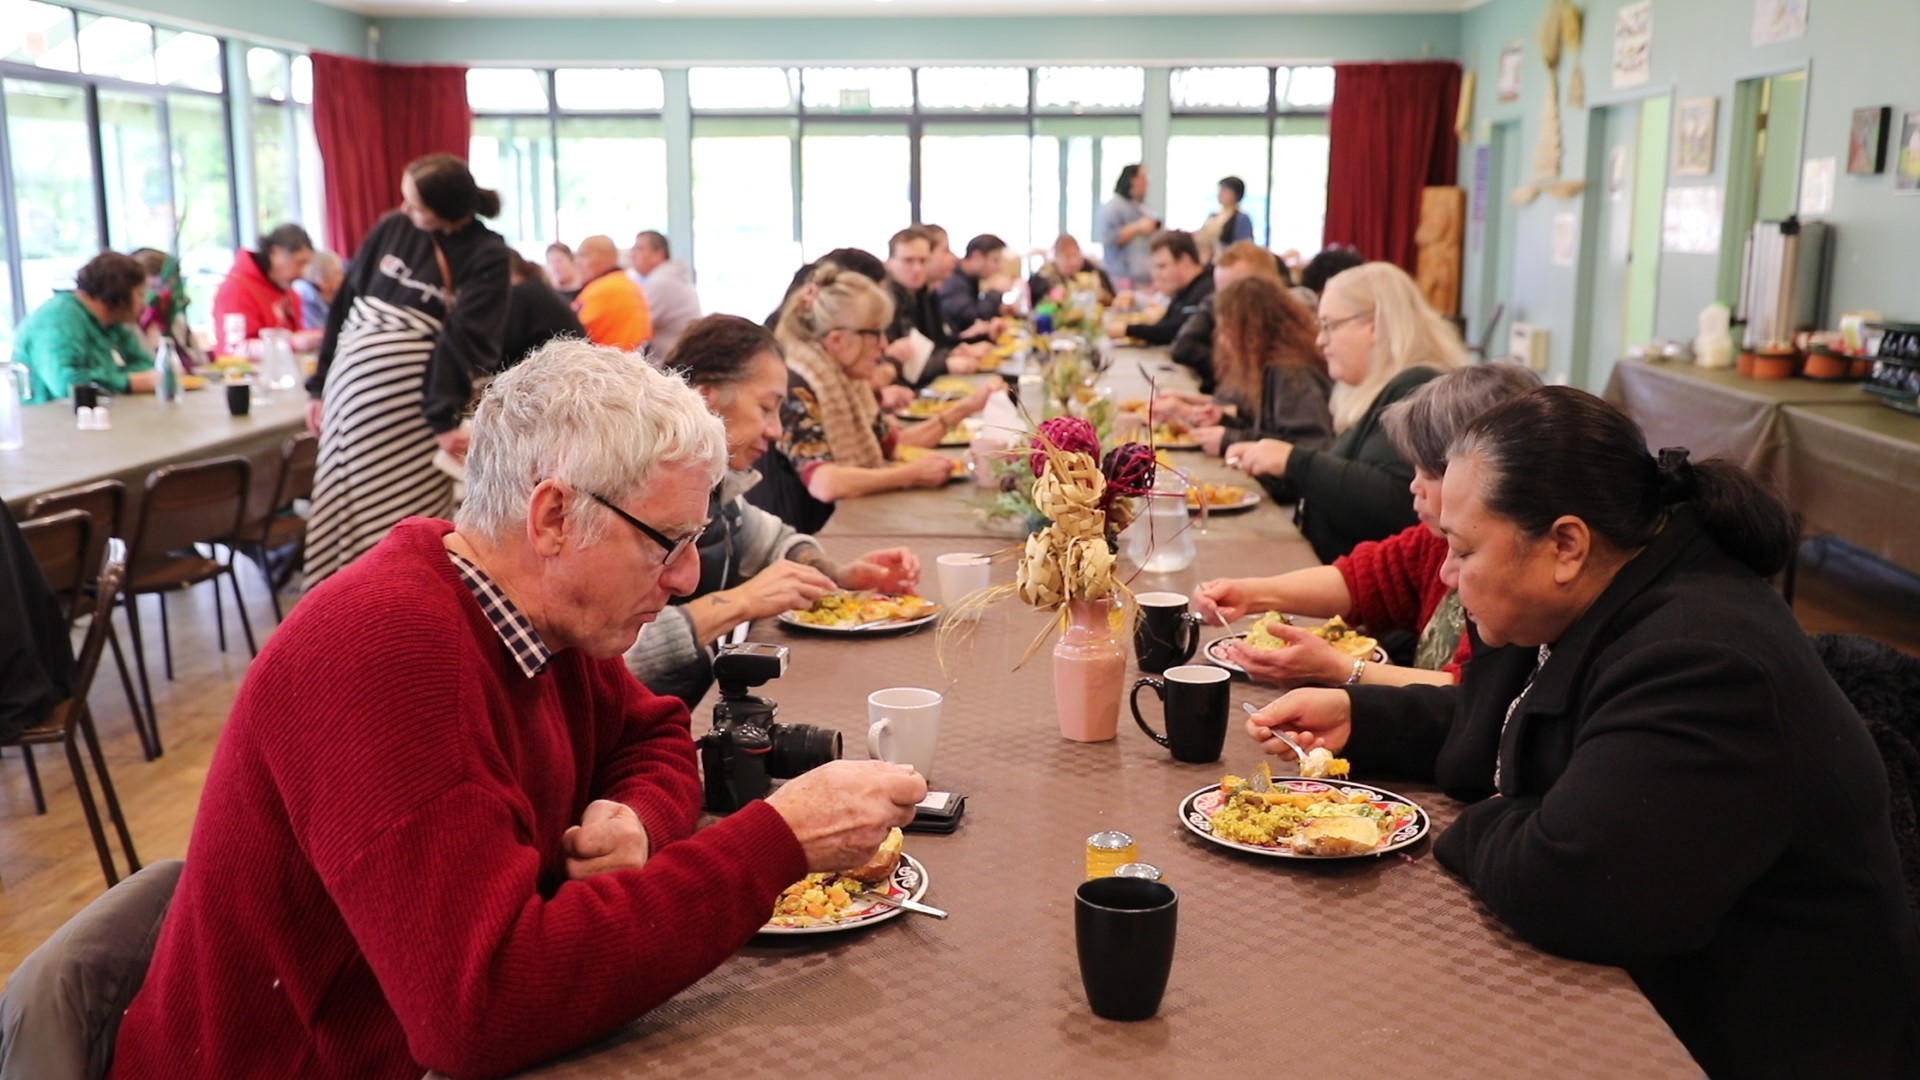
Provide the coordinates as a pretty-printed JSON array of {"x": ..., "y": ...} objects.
[
  {"x": 843, "y": 902},
  {"x": 1222, "y": 498},
  {"x": 1335, "y": 632},
  {"x": 863, "y": 613},
  {"x": 1304, "y": 819}
]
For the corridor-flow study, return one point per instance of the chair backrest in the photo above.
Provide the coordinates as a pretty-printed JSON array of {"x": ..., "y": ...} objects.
[
  {"x": 61, "y": 544},
  {"x": 60, "y": 1015},
  {"x": 106, "y": 590},
  {"x": 299, "y": 465},
  {"x": 105, "y": 501},
  {"x": 198, "y": 502}
]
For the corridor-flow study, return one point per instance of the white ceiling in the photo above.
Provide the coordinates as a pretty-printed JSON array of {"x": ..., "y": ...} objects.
[{"x": 810, "y": 8}]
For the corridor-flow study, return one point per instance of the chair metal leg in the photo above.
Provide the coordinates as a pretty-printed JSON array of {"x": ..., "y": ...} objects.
[
  {"x": 146, "y": 687},
  {"x": 85, "y": 791},
  {"x": 87, "y": 732},
  {"x": 126, "y": 684},
  {"x": 219, "y": 614},
  {"x": 240, "y": 605},
  {"x": 166, "y": 636},
  {"x": 273, "y": 590},
  {"x": 33, "y": 781}
]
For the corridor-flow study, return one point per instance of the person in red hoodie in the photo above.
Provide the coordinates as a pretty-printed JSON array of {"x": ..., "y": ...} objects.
[
  {"x": 260, "y": 285},
  {"x": 1384, "y": 585},
  {"x": 445, "y": 829}
]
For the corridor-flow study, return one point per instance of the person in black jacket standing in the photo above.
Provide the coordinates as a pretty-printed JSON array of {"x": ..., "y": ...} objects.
[
  {"x": 1382, "y": 342},
  {"x": 1663, "y": 775}
]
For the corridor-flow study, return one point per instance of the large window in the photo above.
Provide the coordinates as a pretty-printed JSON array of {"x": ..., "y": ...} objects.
[
  {"x": 287, "y": 183},
  {"x": 1266, "y": 126},
  {"x": 744, "y": 247},
  {"x": 574, "y": 152}
]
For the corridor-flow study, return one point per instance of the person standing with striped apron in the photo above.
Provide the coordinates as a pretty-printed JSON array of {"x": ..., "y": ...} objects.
[{"x": 398, "y": 362}]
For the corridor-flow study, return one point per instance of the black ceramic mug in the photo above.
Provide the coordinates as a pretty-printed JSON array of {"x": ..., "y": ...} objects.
[
  {"x": 1196, "y": 698},
  {"x": 1124, "y": 928},
  {"x": 239, "y": 398},
  {"x": 1166, "y": 634}
]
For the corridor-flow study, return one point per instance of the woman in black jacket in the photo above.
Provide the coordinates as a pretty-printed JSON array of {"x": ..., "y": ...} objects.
[
  {"x": 1381, "y": 342},
  {"x": 536, "y": 314},
  {"x": 1663, "y": 775}
]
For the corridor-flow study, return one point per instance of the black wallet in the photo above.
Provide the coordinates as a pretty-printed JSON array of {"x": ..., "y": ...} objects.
[{"x": 939, "y": 812}]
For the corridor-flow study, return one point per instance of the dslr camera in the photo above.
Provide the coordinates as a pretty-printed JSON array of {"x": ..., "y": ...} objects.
[{"x": 746, "y": 749}]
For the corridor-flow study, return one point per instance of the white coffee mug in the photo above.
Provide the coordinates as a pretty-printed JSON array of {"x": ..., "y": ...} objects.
[
  {"x": 904, "y": 726},
  {"x": 961, "y": 574}
]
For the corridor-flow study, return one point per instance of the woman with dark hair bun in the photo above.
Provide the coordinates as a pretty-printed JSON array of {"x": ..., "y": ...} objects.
[
  {"x": 752, "y": 564},
  {"x": 87, "y": 335},
  {"x": 422, "y": 313},
  {"x": 1663, "y": 776}
]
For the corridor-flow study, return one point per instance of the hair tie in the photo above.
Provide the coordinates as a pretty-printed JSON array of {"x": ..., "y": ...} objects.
[{"x": 1675, "y": 476}]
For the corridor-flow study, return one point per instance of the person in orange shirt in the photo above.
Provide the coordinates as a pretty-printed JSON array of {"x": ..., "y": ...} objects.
[{"x": 610, "y": 305}]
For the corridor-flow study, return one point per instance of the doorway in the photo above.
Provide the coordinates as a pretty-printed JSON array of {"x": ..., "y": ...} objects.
[
  {"x": 1497, "y": 241},
  {"x": 1626, "y": 183},
  {"x": 1768, "y": 123}
]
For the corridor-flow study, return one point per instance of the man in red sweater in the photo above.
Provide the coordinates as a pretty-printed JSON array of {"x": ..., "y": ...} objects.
[{"x": 445, "y": 829}]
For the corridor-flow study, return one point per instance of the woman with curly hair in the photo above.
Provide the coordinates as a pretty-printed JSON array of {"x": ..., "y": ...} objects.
[{"x": 1272, "y": 382}]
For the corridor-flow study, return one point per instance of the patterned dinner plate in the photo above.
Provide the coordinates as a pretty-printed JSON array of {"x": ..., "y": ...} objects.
[
  {"x": 1217, "y": 654},
  {"x": 909, "y": 882},
  {"x": 1409, "y": 822}
]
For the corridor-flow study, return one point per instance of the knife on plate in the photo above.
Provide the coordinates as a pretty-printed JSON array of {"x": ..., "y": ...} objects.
[{"x": 901, "y": 902}]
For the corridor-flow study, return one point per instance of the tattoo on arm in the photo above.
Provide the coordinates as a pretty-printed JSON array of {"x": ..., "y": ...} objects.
[{"x": 811, "y": 555}]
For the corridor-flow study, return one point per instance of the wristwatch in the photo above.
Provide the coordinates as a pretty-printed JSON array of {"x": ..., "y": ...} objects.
[{"x": 1359, "y": 669}]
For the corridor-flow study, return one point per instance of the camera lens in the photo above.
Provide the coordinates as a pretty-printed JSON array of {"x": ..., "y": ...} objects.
[{"x": 799, "y": 747}]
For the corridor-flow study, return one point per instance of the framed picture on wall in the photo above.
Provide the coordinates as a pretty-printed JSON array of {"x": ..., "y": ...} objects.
[
  {"x": 1510, "y": 58},
  {"x": 1906, "y": 165},
  {"x": 1694, "y": 156},
  {"x": 1867, "y": 140}
]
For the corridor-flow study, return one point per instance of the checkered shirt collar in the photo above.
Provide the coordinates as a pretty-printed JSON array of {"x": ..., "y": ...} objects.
[{"x": 515, "y": 629}]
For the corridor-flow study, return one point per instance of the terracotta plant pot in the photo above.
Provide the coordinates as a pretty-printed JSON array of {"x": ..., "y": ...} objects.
[
  {"x": 1745, "y": 364},
  {"x": 1827, "y": 365},
  {"x": 1774, "y": 364}
]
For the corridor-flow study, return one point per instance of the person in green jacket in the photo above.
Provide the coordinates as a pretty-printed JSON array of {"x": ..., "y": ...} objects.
[{"x": 87, "y": 335}]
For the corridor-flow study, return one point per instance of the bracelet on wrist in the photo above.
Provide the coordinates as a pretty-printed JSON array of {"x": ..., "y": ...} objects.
[{"x": 1359, "y": 669}]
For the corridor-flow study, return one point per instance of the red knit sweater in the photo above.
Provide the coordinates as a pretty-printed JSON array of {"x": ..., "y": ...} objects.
[
  {"x": 1395, "y": 584},
  {"x": 376, "y": 884}
]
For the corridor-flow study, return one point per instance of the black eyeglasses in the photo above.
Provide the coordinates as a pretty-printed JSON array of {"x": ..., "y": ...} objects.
[{"x": 674, "y": 548}]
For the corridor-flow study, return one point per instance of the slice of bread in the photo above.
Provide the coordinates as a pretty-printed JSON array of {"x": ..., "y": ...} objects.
[
  {"x": 1334, "y": 836},
  {"x": 880, "y": 867}
]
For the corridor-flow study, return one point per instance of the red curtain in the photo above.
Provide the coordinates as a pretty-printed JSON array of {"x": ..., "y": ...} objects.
[
  {"x": 370, "y": 121},
  {"x": 1390, "y": 134}
]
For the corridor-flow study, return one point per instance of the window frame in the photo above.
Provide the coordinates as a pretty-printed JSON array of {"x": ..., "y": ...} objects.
[
  {"x": 91, "y": 86},
  {"x": 1275, "y": 114}
]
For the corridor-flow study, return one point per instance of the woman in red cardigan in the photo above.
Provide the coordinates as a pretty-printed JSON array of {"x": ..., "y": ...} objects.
[
  {"x": 260, "y": 285},
  {"x": 1383, "y": 585}
]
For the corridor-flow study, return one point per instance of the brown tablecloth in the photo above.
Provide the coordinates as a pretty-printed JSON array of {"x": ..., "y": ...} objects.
[
  {"x": 1715, "y": 412},
  {"x": 1381, "y": 967},
  {"x": 1854, "y": 470},
  {"x": 146, "y": 435}
]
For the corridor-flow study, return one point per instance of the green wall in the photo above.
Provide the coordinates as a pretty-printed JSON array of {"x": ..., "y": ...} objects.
[
  {"x": 1857, "y": 52},
  {"x": 905, "y": 39},
  {"x": 284, "y": 22}
]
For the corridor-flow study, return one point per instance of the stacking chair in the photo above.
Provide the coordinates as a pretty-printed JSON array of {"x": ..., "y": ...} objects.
[
  {"x": 281, "y": 527},
  {"x": 104, "y": 501},
  {"x": 60, "y": 544},
  {"x": 201, "y": 502},
  {"x": 71, "y": 719}
]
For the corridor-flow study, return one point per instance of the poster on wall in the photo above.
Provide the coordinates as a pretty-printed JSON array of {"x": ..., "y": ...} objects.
[
  {"x": 1694, "y": 155},
  {"x": 1775, "y": 21},
  {"x": 1816, "y": 186},
  {"x": 1906, "y": 166},
  {"x": 1510, "y": 58},
  {"x": 1566, "y": 238},
  {"x": 1633, "y": 45},
  {"x": 1867, "y": 141},
  {"x": 1691, "y": 225}
]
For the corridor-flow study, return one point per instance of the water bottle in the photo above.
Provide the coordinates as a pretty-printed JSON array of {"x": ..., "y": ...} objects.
[
  {"x": 1160, "y": 540},
  {"x": 15, "y": 382},
  {"x": 166, "y": 372}
]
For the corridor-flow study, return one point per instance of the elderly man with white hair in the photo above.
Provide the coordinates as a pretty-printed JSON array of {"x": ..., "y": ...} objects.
[{"x": 445, "y": 828}]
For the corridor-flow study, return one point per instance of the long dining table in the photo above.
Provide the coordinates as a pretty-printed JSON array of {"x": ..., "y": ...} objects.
[{"x": 1383, "y": 966}]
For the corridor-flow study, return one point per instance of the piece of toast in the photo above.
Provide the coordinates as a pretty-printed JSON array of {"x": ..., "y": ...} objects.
[
  {"x": 1334, "y": 836},
  {"x": 880, "y": 867}
]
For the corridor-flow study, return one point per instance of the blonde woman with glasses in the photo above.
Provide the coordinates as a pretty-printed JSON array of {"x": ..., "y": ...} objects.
[
  {"x": 835, "y": 442},
  {"x": 1381, "y": 342}
]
